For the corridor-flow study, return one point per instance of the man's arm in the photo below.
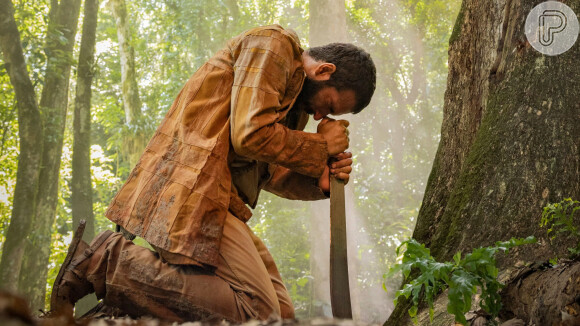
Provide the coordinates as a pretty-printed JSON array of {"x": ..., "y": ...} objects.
[
  {"x": 265, "y": 66},
  {"x": 291, "y": 185}
]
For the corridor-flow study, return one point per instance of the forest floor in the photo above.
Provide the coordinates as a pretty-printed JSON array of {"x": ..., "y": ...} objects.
[
  {"x": 14, "y": 311},
  {"x": 541, "y": 294}
]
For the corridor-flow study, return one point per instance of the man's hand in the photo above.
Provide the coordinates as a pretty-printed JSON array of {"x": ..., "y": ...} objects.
[
  {"x": 335, "y": 133},
  {"x": 340, "y": 168}
]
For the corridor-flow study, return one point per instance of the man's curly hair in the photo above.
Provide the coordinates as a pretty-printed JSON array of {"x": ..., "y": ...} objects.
[{"x": 355, "y": 70}]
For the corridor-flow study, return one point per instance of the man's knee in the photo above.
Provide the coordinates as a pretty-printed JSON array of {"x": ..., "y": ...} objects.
[{"x": 287, "y": 312}]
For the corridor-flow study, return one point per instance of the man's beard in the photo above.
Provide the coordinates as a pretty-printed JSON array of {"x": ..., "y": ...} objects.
[{"x": 309, "y": 89}]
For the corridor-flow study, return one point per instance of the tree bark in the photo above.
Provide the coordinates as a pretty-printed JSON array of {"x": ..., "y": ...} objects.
[
  {"x": 557, "y": 287},
  {"x": 130, "y": 88},
  {"x": 53, "y": 105},
  {"x": 30, "y": 133},
  {"x": 510, "y": 140}
]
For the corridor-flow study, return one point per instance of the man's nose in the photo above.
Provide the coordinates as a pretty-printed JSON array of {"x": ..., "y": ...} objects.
[{"x": 318, "y": 116}]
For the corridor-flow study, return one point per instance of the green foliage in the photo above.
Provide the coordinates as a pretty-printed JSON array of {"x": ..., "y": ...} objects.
[
  {"x": 461, "y": 276},
  {"x": 559, "y": 218},
  {"x": 58, "y": 253}
]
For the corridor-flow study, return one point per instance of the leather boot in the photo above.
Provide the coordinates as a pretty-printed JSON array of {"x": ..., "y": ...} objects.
[{"x": 71, "y": 283}]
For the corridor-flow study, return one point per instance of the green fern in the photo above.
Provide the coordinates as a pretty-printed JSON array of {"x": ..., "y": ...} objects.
[
  {"x": 462, "y": 276},
  {"x": 559, "y": 218}
]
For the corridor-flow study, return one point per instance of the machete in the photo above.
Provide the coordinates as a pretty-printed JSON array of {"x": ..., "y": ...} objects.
[{"x": 339, "y": 287}]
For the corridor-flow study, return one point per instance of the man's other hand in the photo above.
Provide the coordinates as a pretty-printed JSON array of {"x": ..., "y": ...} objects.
[
  {"x": 340, "y": 168},
  {"x": 335, "y": 133}
]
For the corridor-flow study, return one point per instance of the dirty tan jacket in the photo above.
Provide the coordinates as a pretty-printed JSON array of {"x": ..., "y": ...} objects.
[{"x": 228, "y": 134}]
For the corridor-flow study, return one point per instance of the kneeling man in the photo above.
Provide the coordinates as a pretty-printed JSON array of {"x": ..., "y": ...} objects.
[{"x": 234, "y": 129}]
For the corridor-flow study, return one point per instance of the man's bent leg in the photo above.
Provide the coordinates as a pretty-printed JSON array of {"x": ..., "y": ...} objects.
[
  {"x": 241, "y": 265},
  {"x": 139, "y": 283}
]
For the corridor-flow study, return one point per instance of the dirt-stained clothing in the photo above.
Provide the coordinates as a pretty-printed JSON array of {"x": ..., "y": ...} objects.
[
  {"x": 229, "y": 133},
  {"x": 245, "y": 285}
]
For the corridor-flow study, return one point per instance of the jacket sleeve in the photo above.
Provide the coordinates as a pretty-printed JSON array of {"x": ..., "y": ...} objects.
[
  {"x": 266, "y": 63},
  {"x": 292, "y": 185}
]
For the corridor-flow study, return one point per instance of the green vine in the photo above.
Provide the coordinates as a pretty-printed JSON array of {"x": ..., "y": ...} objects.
[{"x": 462, "y": 276}]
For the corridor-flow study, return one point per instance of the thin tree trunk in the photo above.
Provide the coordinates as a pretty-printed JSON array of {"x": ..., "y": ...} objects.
[
  {"x": 130, "y": 88},
  {"x": 510, "y": 140},
  {"x": 81, "y": 185},
  {"x": 30, "y": 135},
  {"x": 53, "y": 104},
  {"x": 327, "y": 24}
]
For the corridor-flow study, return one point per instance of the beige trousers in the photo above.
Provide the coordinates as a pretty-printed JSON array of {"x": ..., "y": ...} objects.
[{"x": 245, "y": 285}]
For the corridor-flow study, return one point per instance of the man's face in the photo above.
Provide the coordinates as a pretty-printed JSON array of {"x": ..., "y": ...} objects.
[{"x": 320, "y": 100}]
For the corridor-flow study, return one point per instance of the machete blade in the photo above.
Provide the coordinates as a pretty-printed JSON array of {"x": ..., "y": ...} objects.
[{"x": 339, "y": 286}]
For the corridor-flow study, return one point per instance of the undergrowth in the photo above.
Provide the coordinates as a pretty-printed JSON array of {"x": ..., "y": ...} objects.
[
  {"x": 559, "y": 218},
  {"x": 462, "y": 277}
]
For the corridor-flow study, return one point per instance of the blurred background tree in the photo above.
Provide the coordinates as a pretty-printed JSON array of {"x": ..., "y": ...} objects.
[{"x": 393, "y": 141}]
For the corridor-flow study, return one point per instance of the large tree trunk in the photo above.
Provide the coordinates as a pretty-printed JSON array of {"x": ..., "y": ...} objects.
[
  {"x": 53, "y": 104},
  {"x": 510, "y": 140},
  {"x": 30, "y": 135},
  {"x": 327, "y": 24}
]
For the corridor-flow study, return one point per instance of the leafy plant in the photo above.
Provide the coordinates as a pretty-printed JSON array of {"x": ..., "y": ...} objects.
[
  {"x": 461, "y": 276},
  {"x": 559, "y": 218}
]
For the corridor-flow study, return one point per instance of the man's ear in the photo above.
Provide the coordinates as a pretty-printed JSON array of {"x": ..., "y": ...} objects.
[{"x": 324, "y": 70}]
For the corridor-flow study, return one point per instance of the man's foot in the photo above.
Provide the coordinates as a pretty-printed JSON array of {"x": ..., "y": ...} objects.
[{"x": 71, "y": 283}]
